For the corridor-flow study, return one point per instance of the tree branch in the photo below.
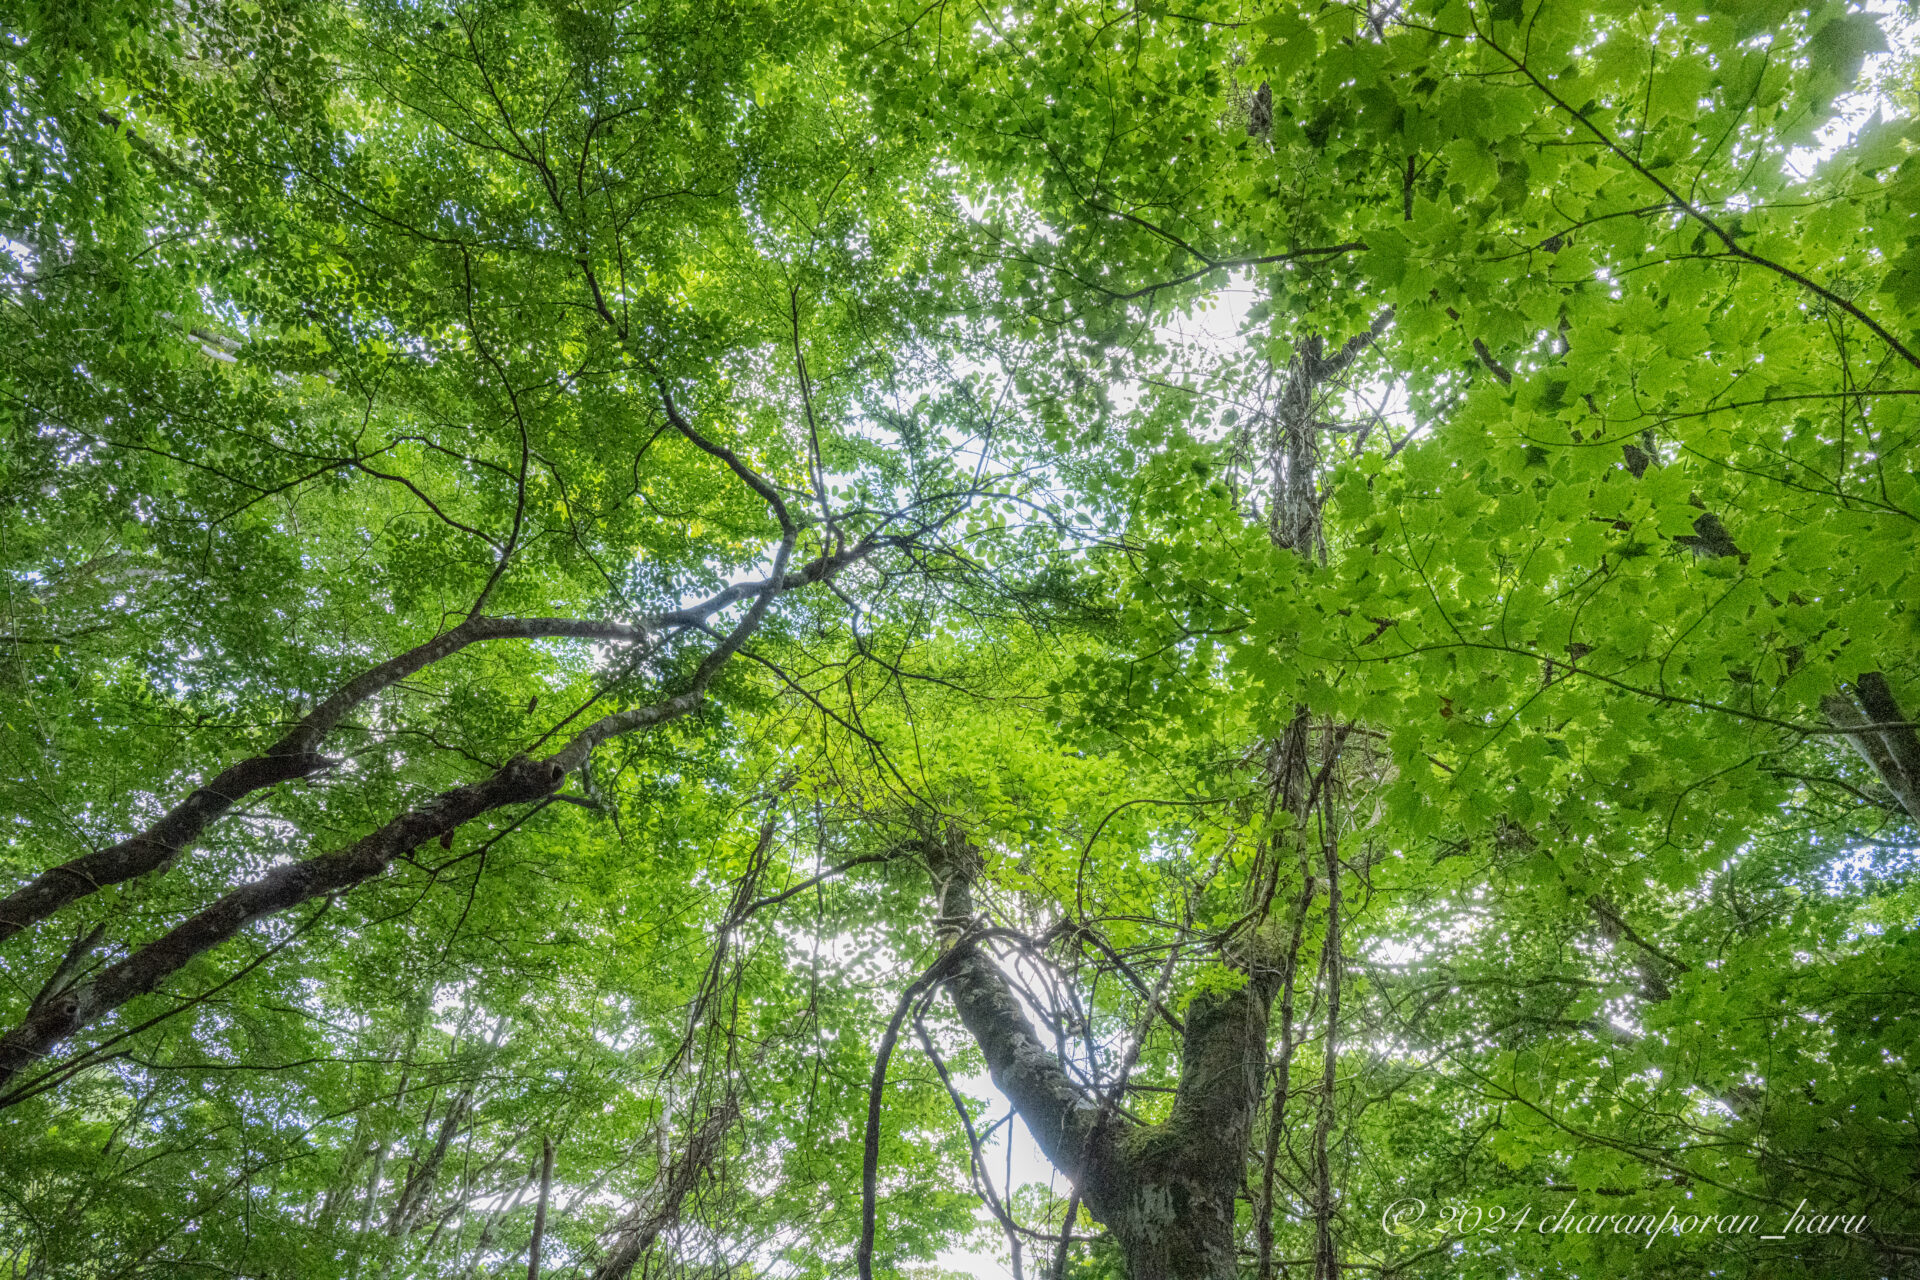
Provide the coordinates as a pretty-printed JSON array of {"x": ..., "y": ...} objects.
[
  {"x": 1883, "y": 737},
  {"x": 519, "y": 781},
  {"x": 294, "y": 756},
  {"x": 636, "y": 1232},
  {"x": 1063, "y": 1121}
]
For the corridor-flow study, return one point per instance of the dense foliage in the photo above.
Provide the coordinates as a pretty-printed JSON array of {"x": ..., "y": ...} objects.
[{"x": 633, "y": 631}]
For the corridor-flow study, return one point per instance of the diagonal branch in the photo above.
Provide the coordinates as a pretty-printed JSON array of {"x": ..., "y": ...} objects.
[
  {"x": 876, "y": 1091},
  {"x": 1883, "y": 736},
  {"x": 284, "y": 887},
  {"x": 977, "y": 1164},
  {"x": 575, "y": 752},
  {"x": 748, "y": 476},
  {"x": 1064, "y": 1122},
  {"x": 635, "y": 1233},
  {"x": 520, "y": 781},
  {"x": 294, "y": 756},
  {"x": 1228, "y": 264}
]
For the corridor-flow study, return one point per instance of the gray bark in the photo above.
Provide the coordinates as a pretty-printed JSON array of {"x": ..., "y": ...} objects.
[
  {"x": 295, "y": 755},
  {"x": 1165, "y": 1192},
  {"x": 521, "y": 780},
  {"x": 1880, "y": 731},
  {"x": 411, "y": 1207}
]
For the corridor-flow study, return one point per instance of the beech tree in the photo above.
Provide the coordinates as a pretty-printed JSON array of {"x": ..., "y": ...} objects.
[{"x": 634, "y": 633}]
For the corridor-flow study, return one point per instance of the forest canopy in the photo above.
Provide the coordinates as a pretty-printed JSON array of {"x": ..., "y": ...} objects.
[{"x": 644, "y": 639}]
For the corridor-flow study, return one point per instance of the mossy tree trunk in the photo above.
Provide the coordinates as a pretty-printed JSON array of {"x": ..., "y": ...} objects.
[{"x": 1165, "y": 1192}]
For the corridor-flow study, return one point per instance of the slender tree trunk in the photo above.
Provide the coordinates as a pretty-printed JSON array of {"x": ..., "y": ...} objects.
[
  {"x": 1879, "y": 730},
  {"x": 637, "y": 1231},
  {"x": 366, "y": 1213},
  {"x": 414, "y": 1194},
  {"x": 540, "y": 1210},
  {"x": 1277, "y": 1121},
  {"x": 492, "y": 1225},
  {"x": 1326, "y": 1263}
]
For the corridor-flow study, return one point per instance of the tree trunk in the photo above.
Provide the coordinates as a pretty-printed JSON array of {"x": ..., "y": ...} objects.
[
  {"x": 1165, "y": 1192},
  {"x": 1883, "y": 736},
  {"x": 1175, "y": 1216},
  {"x": 540, "y": 1210}
]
